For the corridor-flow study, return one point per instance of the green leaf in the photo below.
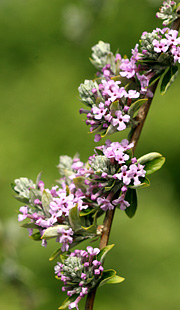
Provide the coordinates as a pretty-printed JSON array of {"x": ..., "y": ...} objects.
[
  {"x": 92, "y": 229},
  {"x": 144, "y": 183},
  {"x": 114, "y": 107},
  {"x": 110, "y": 130},
  {"x": 152, "y": 162},
  {"x": 115, "y": 280},
  {"x": 36, "y": 236},
  {"x": 38, "y": 178},
  {"x": 154, "y": 165},
  {"x": 108, "y": 188},
  {"x": 22, "y": 199},
  {"x": 135, "y": 106},
  {"x": 99, "y": 152},
  {"x": 75, "y": 220},
  {"x": 55, "y": 254},
  {"x": 131, "y": 197},
  {"x": 148, "y": 157},
  {"x": 107, "y": 275},
  {"x": 79, "y": 183},
  {"x": 46, "y": 199},
  {"x": 29, "y": 225},
  {"x": 52, "y": 232},
  {"x": 103, "y": 252},
  {"x": 67, "y": 301},
  {"x": 168, "y": 78},
  {"x": 87, "y": 211},
  {"x": 156, "y": 77},
  {"x": 98, "y": 129}
]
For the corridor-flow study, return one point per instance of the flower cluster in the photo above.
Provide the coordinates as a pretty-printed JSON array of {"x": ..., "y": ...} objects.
[
  {"x": 80, "y": 273},
  {"x": 97, "y": 186},
  {"x": 167, "y": 12},
  {"x": 122, "y": 83},
  {"x": 113, "y": 92},
  {"x": 47, "y": 208},
  {"x": 113, "y": 171},
  {"x": 161, "y": 42}
]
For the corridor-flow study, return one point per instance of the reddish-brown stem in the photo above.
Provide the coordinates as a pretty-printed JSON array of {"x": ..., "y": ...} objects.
[{"x": 141, "y": 117}]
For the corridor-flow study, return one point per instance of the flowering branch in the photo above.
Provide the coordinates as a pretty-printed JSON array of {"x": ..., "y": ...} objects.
[
  {"x": 141, "y": 117},
  {"x": 119, "y": 98}
]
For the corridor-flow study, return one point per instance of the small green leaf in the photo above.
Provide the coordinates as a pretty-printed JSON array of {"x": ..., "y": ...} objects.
[
  {"x": 55, "y": 254},
  {"x": 75, "y": 220},
  {"x": 148, "y": 157},
  {"x": 154, "y": 165},
  {"x": 99, "y": 152},
  {"x": 67, "y": 301},
  {"x": 103, "y": 252},
  {"x": 110, "y": 130},
  {"x": 52, "y": 232},
  {"x": 107, "y": 275},
  {"x": 79, "y": 183},
  {"x": 135, "y": 106},
  {"x": 98, "y": 129},
  {"x": 115, "y": 280},
  {"x": 168, "y": 78},
  {"x": 46, "y": 199},
  {"x": 156, "y": 77},
  {"x": 131, "y": 197},
  {"x": 36, "y": 236},
  {"x": 29, "y": 225},
  {"x": 90, "y": 230},
  {"x": 64, "y": 256},
  {"x": 108, "y": 188},
  {"x": 152, "y": 162},
  {"x": 87, "y": 211},
  {"x": 114, "y": 107},
  {"x": 22, "y": 199}
]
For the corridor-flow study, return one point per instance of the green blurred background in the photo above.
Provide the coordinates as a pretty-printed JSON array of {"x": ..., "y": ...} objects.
[{"x": 44, "y": 50}]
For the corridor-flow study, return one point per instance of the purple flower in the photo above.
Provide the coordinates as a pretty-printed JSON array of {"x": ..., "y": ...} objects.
[
  {"x": 120, "y": 120},
  {"x": 105, "y": 204},
  {"x": 176, "y": 53},
  {"x": 92, "y": 251},
  {"x": 97, "y": 138},
  {"x": 160, "y": 46},
  {"x": 123, "y": 175},
  {"x": 65, "y": 238},
  {"x": 24, "y": 215},
  {"x": 99, "y": 112},
  {"x": 136, "y": 171},
  {"x": 123, "y": 203}
]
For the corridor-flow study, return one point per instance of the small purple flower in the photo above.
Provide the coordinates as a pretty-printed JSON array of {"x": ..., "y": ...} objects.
[
  {"x": 120, "y": 120},
  {"x": 160, "y": 46},
  {"x": 24, "y": 215},
  {"x": 97, "y": 138},
  {"x": 123, "y": 203},
  {"x": 65, "y": 238},
  {"x": 99, "y": 112},
  {"x": 83, "y": 276},
  {"x": 92, "y": 251},
  {"x": 105, "y": 204}
]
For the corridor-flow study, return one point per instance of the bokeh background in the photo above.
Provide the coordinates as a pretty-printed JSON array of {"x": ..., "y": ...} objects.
[{"x": 44, "y": 51}]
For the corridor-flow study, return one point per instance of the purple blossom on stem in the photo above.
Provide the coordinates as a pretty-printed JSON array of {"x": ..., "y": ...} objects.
[
  {"x": 120, "y": 120},
  {"x": 24, "y": 215}
]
